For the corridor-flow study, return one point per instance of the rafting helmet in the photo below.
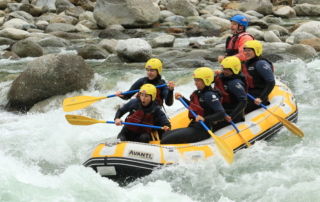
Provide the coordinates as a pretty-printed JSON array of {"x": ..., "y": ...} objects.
[
  {"x": 255, "y": 45},
  {"x": 241, "y": 20},
  {"x": 232, "y": 63},
  {"x": 204, "y": 73},
  {"x": 154, "y": 63},
  {"x": 150, "y": 90}
]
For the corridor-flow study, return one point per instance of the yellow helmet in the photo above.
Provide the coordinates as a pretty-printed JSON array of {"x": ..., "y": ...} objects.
[
  {"x": 204, "y": 73},
  {"x": 154, "y": 63},
  {"x": 232, "y": 63},
  {"x": 255, "y": 45},
  {"x": 150, "y": 90}
]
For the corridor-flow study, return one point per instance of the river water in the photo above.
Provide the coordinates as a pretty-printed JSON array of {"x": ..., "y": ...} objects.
[{"x": 41, "y": 154}]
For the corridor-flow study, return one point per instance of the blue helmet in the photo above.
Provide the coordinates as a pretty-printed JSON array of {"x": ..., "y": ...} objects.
[{"x": 241, "y": 20}]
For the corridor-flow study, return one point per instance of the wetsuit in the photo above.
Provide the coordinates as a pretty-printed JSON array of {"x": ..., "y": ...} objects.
[
  {"x": 212, "y": 112},
  {"x": 150, "y": 115},
  {"x": 262, "y": 82},
  {"x": 235, "y": 43},
  {"x": 163, "y": 93},
  {"x": 234, "y": 98}
]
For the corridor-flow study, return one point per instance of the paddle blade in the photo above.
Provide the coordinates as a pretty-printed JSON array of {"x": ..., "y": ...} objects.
[
  {"x": 290, "y": 126},
  {"x": 225, "y": 150},
  {"x": 81, "y": 120},
  {"x": 79, "y": 102}
]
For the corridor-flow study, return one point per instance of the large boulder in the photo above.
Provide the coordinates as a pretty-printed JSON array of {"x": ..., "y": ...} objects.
[
  {"x": 47, "y": 76},
  {"x": 133, "y": 50},
  {"x": 129, "y": 13},
  {"x": 302, "y": 51}
]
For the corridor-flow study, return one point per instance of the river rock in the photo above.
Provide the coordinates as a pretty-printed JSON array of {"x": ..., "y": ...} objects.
[
  {"x": 20, "y": 15},
  {"x": 27, "y": 48},
  {"x": 264, "y": 8},
  {"x": 314, "y": 42},
  {"x": 47, "y": 76},
  {"x": 181, "y": 7},
  {"x": 6, "y": 41},
  {"x": 109, "y": 45},
  {"x": 74, "y": 11},
  {"x": 49, "y": 3},
  {"x": 166, "y": 40},
  {"x": 15, "y": 23},
  {"x": 129, "y": 13},
  {"x": 311, "y": 27},
  {"x": 60, "y": 27},
  {"x": 91, "y": 51},
  {"x": 31, "y": 9},
  {"x": 133, "y": 50},
  {"x": 4, "y": 4},
  {"x": 283, "y": 31},
  {"x": 307, "y": 10},
  {"x": 65, "y": 19},
  {"x": 14, "y": 34},
  {"x": 302, "y": 51},
  {"x": 284, "y": 12},
  {"x": 300, "y": 36}
]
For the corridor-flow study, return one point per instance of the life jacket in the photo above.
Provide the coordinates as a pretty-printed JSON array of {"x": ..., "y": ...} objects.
[
  {"x": 141, "y": 117},
  {"x": 221, "y": 80},
  {"x": 198, "y": 105},
  {"x": 158, "y": 99},
  {"x": 255, "y": 80},
  {"x": 234, "y": 43}
]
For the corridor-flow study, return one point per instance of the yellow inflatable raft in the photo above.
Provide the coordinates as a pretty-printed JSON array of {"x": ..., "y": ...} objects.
[{"x": 120, "y": 160}]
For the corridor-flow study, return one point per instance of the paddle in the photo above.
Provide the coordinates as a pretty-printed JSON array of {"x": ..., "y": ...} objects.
[
  {"x": 235, "y": 127},
  {"x": 85, "y": 121},
  {"x": 223, "y": 147},
  {"x": 80, "y": 102},
  {"x": 294, "y": 129}
]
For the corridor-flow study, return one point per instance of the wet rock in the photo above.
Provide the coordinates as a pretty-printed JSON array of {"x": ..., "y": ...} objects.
[
  {"x": 128, "y": 13},
  {"x": 311, "y": 27},
  {"x": 93, "y": 52},
  {"x": 109, "y": 45},
  {"x": 9, "y": 55},
  {"x": 300, "y": 36},
  {"x": 60, "y": 27},
  {"x": 20, "y": 15},
  {"x": 31, "y": 9},
  {"x": 133, "y": 50},
  {"x": 27, "y": 48},
  {"x": 6, "y": 41},
  {"x": 166, "y": 40},
  {"x": 302, "y": 51},
  {"x": 75, "y": 11},
  {"x": 66, "y": 35},
  {"x": 113, "y": 34},
  {"x": 14, "y": 34},
  {"x": 47, "y": 76},
  {"x": 314, "y": 42}
]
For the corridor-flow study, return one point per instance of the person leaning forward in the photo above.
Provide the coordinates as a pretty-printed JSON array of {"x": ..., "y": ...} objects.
[
  {"x": 205, "y": 103},
  {"x": 259, "y": 72},
  {"x": 142, "y": 111},
  {"x": 233, "y": 86},
  {"x": 235, "y": 43},
  {"x": 153, "y": 69}
]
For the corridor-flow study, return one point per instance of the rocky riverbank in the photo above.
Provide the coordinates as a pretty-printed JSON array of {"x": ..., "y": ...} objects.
[{"x": 132, "y": 31}]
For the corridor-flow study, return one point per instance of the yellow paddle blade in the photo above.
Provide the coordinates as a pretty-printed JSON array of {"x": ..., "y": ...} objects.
[
  {"x": 81, "y": 120},
  {"x": 290, "y": 126},
  {"x": 247, "y": 143},
  {"x": 225, "y": 150},
  {"x": 79, "y": 102}
]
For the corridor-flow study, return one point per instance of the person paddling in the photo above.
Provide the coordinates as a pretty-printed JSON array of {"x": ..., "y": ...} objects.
[
  {"x": 205, "y": 103},
  {"x": 142, "y": 111},
  {"x": 259, "y": 72},
  {"x": 153, "y": 69}
]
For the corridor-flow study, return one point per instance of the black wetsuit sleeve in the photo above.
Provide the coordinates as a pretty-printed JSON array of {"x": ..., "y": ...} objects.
[
  {"x": 161, "y": 119},
  {"x": 125, "y": 108},
  {"x": 169, "y": 97},
  {"x": 136, "y": 86},
  {"x": 237, "y": 88},
  {"x": 186, "y": 101},
  {"x": 267, "y": 90},
  {"x": 213, "y": 102}
]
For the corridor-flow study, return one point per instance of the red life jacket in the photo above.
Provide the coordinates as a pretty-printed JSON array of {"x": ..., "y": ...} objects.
[
  {"x": 195, "y": 106},
  {"x": 250, "y": 79},
  {"x": 140, "y": 117},
  {"x": 218, "y": 84},
  {"x": 234, "y": 43}
]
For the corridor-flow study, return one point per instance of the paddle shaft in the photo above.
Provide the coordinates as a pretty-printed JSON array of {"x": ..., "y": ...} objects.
[
  {"x": 136, "y": 124},
  {"x": 235, "y": 127},
  {"x": 262, "y": 105},
  {"x": 134, "y": 91}
]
